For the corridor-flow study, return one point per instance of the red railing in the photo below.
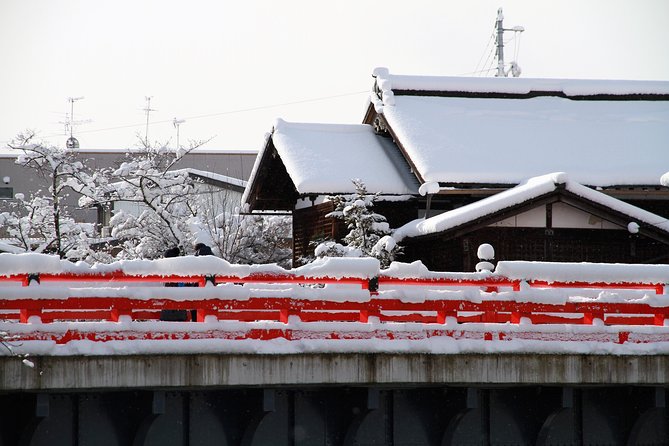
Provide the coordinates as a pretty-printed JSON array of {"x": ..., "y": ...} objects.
[{"x": 499, "y": 311}]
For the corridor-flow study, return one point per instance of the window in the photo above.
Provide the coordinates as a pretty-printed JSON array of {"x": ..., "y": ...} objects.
[{"x": 6, "y": 192}]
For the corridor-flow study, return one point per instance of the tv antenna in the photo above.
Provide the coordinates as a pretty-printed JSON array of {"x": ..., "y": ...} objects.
[
  {"x": 147, "y": 110},
  {"x": 177, "y": 123},
  {"x": 514, "y": 69},
  {"x": 72, "y": 142}
]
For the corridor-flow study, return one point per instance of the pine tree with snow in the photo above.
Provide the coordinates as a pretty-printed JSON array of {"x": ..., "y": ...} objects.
[{"x": 369, "y": 232}]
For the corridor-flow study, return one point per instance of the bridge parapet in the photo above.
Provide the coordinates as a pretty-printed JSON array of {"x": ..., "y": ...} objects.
[{"x": 50, "y": 307}]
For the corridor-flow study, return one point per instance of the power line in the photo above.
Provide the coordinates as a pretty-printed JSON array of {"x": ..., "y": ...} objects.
[
  {"x": 230, "y": 112},
  {"x": 485, "y": 50},
  {"x": 209, "y": 115}
]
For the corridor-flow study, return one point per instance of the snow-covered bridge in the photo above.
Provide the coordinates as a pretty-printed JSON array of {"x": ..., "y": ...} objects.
[{"x": 532, "y": 353}]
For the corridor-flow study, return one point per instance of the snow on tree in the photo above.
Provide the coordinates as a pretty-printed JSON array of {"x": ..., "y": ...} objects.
[
  {"x": 156, "y": 199},
  {"x": 160, "y": 206},
  {"x": 369, "y": 233},
  {"x": 238, "y": 237},
  {"x": 41, "y": 222}
]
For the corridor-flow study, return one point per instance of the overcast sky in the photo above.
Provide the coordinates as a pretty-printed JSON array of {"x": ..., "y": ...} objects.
[{"x": 230, "y": 68}]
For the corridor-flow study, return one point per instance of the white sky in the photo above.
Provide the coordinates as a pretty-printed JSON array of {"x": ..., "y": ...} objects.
[{"x": 224, "y": 66}]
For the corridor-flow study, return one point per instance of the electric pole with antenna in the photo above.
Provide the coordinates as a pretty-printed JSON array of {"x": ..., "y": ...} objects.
[{"x": 515, "y": 68}]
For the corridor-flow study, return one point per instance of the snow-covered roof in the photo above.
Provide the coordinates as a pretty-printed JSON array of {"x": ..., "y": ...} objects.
[
  {"x": 526, "y": 191},
  {"x": 324, "y": 158},
  {"x": 483, "y": 130},
  {"x": 215, "y": 176}
]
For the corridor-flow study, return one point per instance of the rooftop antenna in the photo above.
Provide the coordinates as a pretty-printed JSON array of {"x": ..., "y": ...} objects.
[
  {"x": 514, "y": 69},
  {"x": 177, "y": 123},
  {"x": 148, "y": 110},
  {"x": 72, "y": 142}
]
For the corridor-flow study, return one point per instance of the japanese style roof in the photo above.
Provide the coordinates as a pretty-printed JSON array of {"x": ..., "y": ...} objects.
[
  {"x": 463, "y": 131},
  {"x": 535, "y": 192},
  {"x": 301, "y": 159}
]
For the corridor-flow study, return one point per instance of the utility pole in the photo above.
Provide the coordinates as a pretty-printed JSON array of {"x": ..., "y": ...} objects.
[
  {"x": 177, "y": 123},
  {"x": 500, "y": 44},
  {"x": 148, "y": 110},
  {"x": 515, "y": 69}
]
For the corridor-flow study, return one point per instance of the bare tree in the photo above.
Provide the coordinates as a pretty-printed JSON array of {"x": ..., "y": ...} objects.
[
  {"x": 154, "y": 200},
  {"x": 239, "y": 237}
]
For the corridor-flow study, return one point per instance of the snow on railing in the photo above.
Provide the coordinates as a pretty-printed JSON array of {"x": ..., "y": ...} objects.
[{"x": 338, "y": 300}]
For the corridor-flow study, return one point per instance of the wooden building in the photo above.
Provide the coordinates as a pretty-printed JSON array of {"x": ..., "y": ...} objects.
[{"x": 473, "y": 143}]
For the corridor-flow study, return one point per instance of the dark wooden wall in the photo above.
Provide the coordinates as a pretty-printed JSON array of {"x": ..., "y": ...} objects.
[{"x": 535, "y": 244}]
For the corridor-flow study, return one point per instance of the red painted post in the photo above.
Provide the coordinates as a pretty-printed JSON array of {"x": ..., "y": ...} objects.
[
  {"x": 286, "y": 313},
  {"x": 366, "y": 314},
  {"x": 517, "y": 316},
  {"x": 658, "y": 319},
  {"x": 116, "y": 313},
  {"x": 202, "y": 313},
  {"x": 26, "y": 313},
  {"x": 590, "y": 318},
  {"x": 442, "y": 316}
]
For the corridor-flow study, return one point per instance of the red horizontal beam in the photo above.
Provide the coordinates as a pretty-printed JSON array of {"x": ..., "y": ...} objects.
[
  {"x": 277, "y": 278},
  {"x": 276, "y": 303},
  {"x": 657, "y": 287},
  {"x": 92, "y": 308},
  {"x": 494, "y": 281}
]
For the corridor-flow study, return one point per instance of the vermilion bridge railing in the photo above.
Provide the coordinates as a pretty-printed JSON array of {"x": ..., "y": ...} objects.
[{"x": 501, "y": 311}]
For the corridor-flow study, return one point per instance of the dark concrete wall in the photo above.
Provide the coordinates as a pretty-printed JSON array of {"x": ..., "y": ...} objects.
[{"x": 343, "y": 415}]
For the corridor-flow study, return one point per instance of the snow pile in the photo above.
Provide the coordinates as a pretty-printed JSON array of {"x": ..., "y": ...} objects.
[
  {"x": 31, "y": 263},
  {"x": 485, "y": 251},
  {"x": 338, "y": 267},
  {"x": 584, "y": 272}
]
